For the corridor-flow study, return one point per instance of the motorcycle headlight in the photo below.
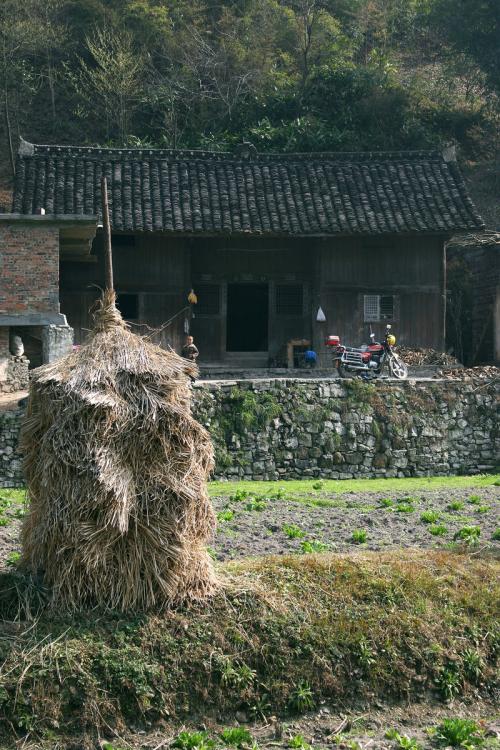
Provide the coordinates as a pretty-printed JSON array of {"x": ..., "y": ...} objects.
[{"x": 391, "y": 339}]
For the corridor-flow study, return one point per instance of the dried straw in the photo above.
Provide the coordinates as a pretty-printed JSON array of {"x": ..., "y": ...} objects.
[{"x": 116, "y": 470}]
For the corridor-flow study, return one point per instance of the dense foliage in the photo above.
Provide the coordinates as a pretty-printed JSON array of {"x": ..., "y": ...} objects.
[{"x": 285, "y": 74}]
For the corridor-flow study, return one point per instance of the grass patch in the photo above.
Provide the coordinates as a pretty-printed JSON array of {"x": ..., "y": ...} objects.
[
  {"x": 299, "y": 487},
  {"x": 285, "y": 633}
]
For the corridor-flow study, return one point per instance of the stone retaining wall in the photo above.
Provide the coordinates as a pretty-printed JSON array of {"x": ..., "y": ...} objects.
[{"x": 283, "y": 429}]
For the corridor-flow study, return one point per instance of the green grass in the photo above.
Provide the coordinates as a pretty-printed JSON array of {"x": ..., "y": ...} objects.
[
  {"x": 300, "y": 487},
  {"x": 283, "y": 634}
]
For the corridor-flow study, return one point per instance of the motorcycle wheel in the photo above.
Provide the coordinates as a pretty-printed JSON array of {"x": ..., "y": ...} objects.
[
  {"x": 343, "y": 372},
  {"x": 397, "y": 368}
]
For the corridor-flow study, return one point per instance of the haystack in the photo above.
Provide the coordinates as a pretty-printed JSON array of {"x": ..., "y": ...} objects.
[{"x": 116, "y": 471}]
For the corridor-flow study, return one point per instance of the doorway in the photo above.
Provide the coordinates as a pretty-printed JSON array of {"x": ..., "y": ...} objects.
[{"x": 247, "y": 317}]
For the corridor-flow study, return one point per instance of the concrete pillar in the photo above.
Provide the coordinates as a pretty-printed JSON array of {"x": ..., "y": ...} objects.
[{"x": 57, "y": 341}]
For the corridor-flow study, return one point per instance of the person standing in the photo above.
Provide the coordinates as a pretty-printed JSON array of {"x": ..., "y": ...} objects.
[{"x": 190, "y": 350}]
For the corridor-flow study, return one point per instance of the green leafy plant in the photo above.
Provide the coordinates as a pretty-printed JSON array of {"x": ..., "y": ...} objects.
[
  {"x": 308, "y": 547},
  {"x": 496, "y": 535},
  {"x": 256, "y": 504},
  {"x": 365, "y": 654},
  {"x": 473, "y": 664},
  {"x": 193, "y": 741},
  {"x": 359, "y": 536},
  {"x": 317, "y": 485},
  {"x": 449, "y": 682},
  {"x": 4, "y": 521},
  {"x": 13, "y": 559},
  {"x": 403, "y": 507},
  {"x": 468, "y": 535},
  {"x": 386, "y": 502},
  {"x": 402, "y": 740},
  {"x": 239, "y": 496},
  {"x": 293, "y": 532},
  {"x": 437, "y": 530},
  {"x": 430, "y": 516},
  {"x": 463, "y": 733},
  {"x": 298, "y": 743},
  {"x": 236, "y": 737},
  {"x": 225, "y": 515},
  {"x": 302, "y": 698},
  {"x": 483, "y": 508},
  {"x": 474, "y": 500},
  {"x": 455, "y": 505}
]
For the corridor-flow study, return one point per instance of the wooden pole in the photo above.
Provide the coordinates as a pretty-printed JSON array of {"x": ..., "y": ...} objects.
[{"x": 108, "y": 256}]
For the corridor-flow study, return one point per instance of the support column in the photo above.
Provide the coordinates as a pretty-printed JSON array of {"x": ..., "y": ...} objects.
[{"x": 57, "y": 341}]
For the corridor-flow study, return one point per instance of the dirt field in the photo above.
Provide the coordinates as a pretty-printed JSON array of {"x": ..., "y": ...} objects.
[{"x": 314, "y": 519}]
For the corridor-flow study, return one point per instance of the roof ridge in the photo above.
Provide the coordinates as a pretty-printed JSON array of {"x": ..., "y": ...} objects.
[{"x": 27, "y": 149}]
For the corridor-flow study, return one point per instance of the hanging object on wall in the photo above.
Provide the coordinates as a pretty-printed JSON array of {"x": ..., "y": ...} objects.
[
  {"x": 186, "y": 325},
  {"x": 192, "y": 298},
  {"x": 320, "y": 315}
]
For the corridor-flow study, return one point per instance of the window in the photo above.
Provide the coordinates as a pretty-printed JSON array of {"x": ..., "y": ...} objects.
[
  {"x": 289, "y": 299},
  {"x": 379, "y": 307},
  {"x": 128, "y": 305},
  {"x": 208, "y": 299}
]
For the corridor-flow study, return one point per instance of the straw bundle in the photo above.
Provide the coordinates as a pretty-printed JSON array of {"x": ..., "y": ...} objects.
[{"x": 116, "y": 470}]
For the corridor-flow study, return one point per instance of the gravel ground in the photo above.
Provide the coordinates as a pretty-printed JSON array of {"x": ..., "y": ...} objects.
[{"x": 429, "y": 519}]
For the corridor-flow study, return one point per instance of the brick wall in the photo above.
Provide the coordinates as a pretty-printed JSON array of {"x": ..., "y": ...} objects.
[{"x": 29, "y": 268}]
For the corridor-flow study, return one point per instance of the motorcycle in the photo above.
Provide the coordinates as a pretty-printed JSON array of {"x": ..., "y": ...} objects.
[{"x": 369, "y": 360}]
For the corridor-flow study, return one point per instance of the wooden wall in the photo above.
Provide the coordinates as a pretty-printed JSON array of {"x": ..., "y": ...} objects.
[
  {"x": 411, "y": 269},
  {"x": 155, "y": 267},
  {"x": 335, "y": 273}
]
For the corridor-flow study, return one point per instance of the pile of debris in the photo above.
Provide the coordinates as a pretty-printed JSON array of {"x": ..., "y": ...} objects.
[
  {"x": 420, "y": 357},
  {"x": 488, "y": 373}
]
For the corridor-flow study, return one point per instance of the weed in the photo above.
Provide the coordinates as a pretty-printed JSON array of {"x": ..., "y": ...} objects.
[
  {"x": 474, "y": 500},
  {"x": 359, "y": 536},
  {"x": 317, "y": 485},
  {"x": 468, "y": 535},
  {"x": 225, "y": 515},
  {"x": 236, "y": 736},
  {"x": 256, "y": 504},
  {"x": 483, "y": 508},
  {"x": 496, "y": 535},
  {"x": 449, "y": 682},
  {"x": 386, "y": 502},
  {"x": 430, "y": 516},
  {"x": 473, "y": 664},
  {"x": 4, "y": 521},
  {"x": 302, "y": 698},
  {"x": 298, "y": 743},
  {"x": 307, "y": 547},
  {"x": 458, "y": 733},
  {"x": 212, "y": 553},
  {"x": 193, "y": 741},
  {"x": 455, "y": 505},
  {"x": 438, "y": 530},
  {"x": 402, "y": 740},
  {"x": 293, "y": 532}
]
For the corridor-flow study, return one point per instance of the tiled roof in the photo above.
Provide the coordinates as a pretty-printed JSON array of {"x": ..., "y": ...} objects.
[{"x": 246, "y": 192}]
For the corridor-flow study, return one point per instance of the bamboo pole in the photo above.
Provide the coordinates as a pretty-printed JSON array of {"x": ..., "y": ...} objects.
[{"x": 108, "y": 256}]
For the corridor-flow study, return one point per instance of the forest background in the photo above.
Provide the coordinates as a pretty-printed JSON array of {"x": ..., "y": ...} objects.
[{"x": 287, "y": 75}]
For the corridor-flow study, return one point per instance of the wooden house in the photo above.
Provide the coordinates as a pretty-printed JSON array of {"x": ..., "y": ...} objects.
[{"x": 265, "y": 240}]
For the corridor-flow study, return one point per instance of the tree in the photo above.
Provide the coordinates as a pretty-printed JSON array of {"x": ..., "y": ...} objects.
[{"x": 111, "y": 83}]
